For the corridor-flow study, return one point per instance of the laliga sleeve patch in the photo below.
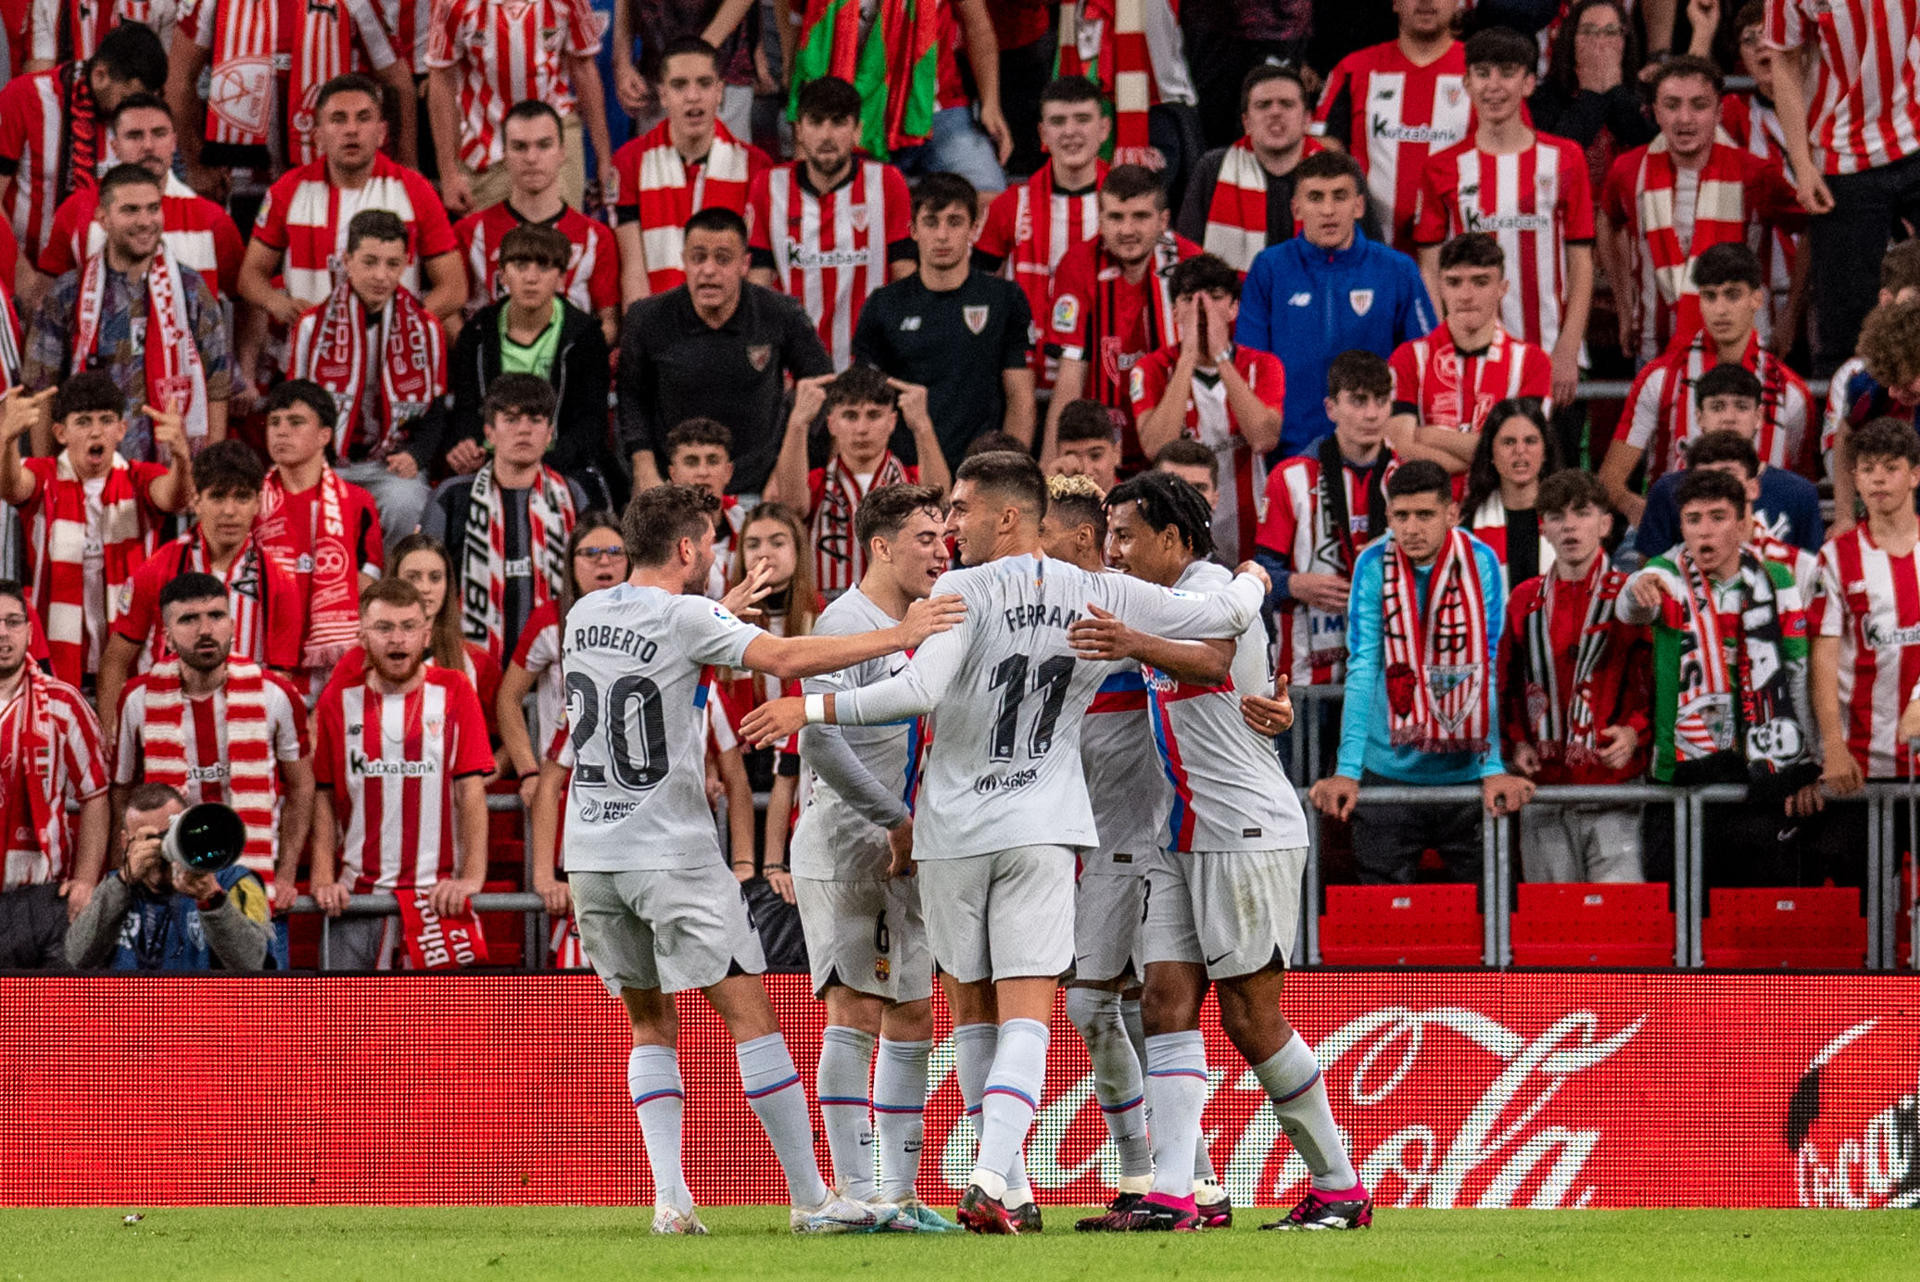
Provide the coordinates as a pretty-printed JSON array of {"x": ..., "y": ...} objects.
[{"x": 1066, "y": 314}]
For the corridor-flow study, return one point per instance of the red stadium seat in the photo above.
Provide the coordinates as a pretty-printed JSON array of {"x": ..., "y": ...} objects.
[
  {"x": 1402, "y": 926},
  {"x": 1593, "y": 924},
  {"x": 1789, "y": 928}
]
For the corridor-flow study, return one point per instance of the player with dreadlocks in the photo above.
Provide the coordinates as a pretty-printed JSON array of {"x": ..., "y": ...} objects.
[{"x": 1223, "y": 897}]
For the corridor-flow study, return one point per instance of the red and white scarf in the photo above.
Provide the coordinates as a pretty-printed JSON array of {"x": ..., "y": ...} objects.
[
  {"x": 1436, "y": 706},
  {"x": 1563, "y": 720},
  {"x": 61, "y": 559},
  {"x": 246, "y": 581},
  {"x": 253, "y": 780},
  {"x": 175, "y": 379},
  {"x": 838, "y": 561},
  {"x": 33, "y": 744},
  {"x": 249, "y": 36},
  {"x": 1106, "y": 41},
  {"x": 1237, "y": 214},
  {"x": 337, "y": 355},
  {"x": 668, "y": 195},
  {"x": 483, "y": 570},
  {"x": 333, "y": 595},
  {"x": 80, "y": 142},
  {"x": 1719, "y": 216},
  {"x": 9, "y": 338}
]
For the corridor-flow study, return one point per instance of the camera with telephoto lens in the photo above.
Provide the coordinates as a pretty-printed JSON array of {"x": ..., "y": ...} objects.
[{"x": 206, "y": 838}]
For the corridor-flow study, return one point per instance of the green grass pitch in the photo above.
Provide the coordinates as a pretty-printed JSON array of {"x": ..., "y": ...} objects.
[{"x": 485, "y": 1244}]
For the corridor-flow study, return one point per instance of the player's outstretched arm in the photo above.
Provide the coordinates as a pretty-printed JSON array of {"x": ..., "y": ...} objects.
[
  {"x": 912, "y": 693},
  {"x": 1104, "y": 638},
  {"x": 791, "y": 658},
  {"x": 1147, "y": 607}
]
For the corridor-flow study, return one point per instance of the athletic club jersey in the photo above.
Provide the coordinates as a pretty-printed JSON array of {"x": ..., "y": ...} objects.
[
  {"x": 266, "y": 602},
  {"x": 1535, "y": 203},
  {"x": 390, "y": 761},
  {"x": 305, "y": 217},
  {"x": 1392, "y": 115},
  {"x": 1311, "y": 645},
  {"x": 1211, "y": 421},
  {"x": 538, "y": 655},
  {"x": 1125, "y": 783},
  {"x": 859, "y": 788},
  {"x": 1863, "y": 108},
  {"x": 636, "y": 663},
  {"x": 70, "y": 753},
  {"x": 1028, "y": 229},
  {"x": 205, "y": 734},
  {"x": 1229, "y": 792},
  {"x": 1755, "y": 128},
  {"x": 1445, "y": 387},
  {"x": 1871, "y": 601},
  {"x": 508, "y": 51},
  {"x": 1008, "y": 694},
  {"x": 1661, "y": 417},
  {"x": 34, "y": 141},
  {"x": 829, "y": 250},
  {"x": 591, "y": 281},
  {"x": 198, "y": 234}
]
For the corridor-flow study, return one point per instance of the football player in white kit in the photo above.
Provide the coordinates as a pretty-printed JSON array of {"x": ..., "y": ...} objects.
[
  {"x": 1224, "y": 900},
  {"x": 1130, "y": 797},
  {"x": 658, "y": 911},
  {"x": 1004, "y": 801},
  {"x": 866, "y": 941}
]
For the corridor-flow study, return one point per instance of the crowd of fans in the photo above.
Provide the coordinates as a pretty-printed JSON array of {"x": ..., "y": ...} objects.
[{"x": 291, "y": 516}]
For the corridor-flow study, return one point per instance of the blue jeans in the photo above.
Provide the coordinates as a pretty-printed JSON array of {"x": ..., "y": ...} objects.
[
  {"x": 401, "y": 501},
  {"x": 956, "y": 145}
]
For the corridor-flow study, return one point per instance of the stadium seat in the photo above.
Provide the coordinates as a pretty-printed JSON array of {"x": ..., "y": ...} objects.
[
  {"x": 1402, "y": 926},
  {"x": 1593, "y": 924},
  {"x": 1787, "y": 928}
]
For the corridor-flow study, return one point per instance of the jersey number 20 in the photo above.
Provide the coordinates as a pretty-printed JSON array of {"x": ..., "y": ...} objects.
[
  {"x": 1049, "y": 682},
  {"x": 583, "y": 699}
]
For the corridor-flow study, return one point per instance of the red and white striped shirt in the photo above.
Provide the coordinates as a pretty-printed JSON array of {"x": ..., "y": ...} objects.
[
  {"x": 55, "y": 36},
  {"x": 1398, "y": 115},
  {"x": 206, "y": 720},
  {"x": 390, "y": 762},
  {"x": 198, "y": 235},
  {"x": 1211, "y": 421},
  {"x": 507, "y": 51},
  {"x": 66, "y": 756},
  {"x": 1864, "y": 110},
  {"x": 33, "y": 141},
  {"x": 305, "y": 217},
  {"x": 1661, "y": 418},
  {"x": 1029, "y": 228},
  {"x": 410, "y": 23},
  {"x": 1446, "y": 387},
  {"x": 538, "y": 655},
  {"x": 1311, "y": 645},
  {"x": 1871, "y": 601},
  {"x": 592, "y": 278},
  {"x": 266, "y": 602},
  {"x": 1755, "y": 128},
  {"x": 1535, "y": 203},
  {"x": 829, "y": 250}
]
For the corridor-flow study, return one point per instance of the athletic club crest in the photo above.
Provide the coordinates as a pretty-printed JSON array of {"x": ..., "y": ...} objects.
[
  {"x": 1452, "y": 91},
  {"x": 241, "y": 93},
  {"x": 975, "y": 317},
  {"x": 857, "y": 215},
  {"x": 1361, "y": 301},
  {"x": 758, "y": 354}
]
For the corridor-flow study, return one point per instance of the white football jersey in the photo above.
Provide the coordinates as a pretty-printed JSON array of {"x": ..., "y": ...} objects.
[
  {"x": 636, "y": 663},
  {"x": 1007, "y": 694}
]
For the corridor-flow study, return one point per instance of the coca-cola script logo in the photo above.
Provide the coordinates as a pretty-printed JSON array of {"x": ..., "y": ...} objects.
[
  {"x": 1855, "y": 1142},
  {"x": 1440, "y": 1107}
]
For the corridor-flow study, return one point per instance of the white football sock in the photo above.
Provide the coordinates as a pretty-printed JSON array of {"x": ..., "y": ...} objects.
[
  {"x": 1291, "y": 1079},
  {"x": 840, "y": 1086},
  {"x": 899, "y": 1114},
  {"x": 659, "y": 1098},
  {"x": 780, "y": 1102},
  {"x": 1177, "y": 1081},
  {"x": 1116, "y": 1075},
  {"x": 1008, "y": 1103},
  {"x": 973, "y": 1048}
]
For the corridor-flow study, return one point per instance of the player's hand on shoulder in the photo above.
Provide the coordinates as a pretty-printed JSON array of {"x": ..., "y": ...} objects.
[
  {"x": 930, "y": 615},
  {"x": 774, "y": 720},
  {"x": 1258, "y": 571},
  {"x": 1098, "y": 635},
  {"x": 1268, "y": 717}
]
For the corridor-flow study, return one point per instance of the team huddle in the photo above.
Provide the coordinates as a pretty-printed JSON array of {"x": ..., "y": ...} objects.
[{"x": 976, "y": 741}]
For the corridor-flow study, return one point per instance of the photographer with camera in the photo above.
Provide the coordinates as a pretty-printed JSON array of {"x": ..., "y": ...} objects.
[{"x": 160, "y": 913}]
